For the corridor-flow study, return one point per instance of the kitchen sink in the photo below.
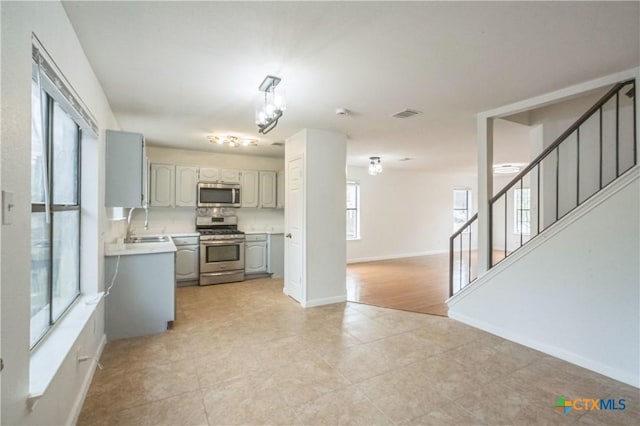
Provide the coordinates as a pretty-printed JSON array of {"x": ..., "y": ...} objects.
[{"x": 149, "y": 239}]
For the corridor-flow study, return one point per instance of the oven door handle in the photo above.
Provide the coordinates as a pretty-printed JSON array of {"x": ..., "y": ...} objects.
[{"x": 221, "y": 242}]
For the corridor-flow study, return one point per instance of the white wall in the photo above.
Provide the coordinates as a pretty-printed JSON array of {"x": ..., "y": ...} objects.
[
  {"x": 182, "y": 219},
  {"x": 326, "y": 194},
  {"x": 49, "y": 22},
  {"x": 574, "y": 293},
  {"x": 236, "y": 160},
  {"x": 404, "y": 213},
  {"x": 315, "y": 258}
]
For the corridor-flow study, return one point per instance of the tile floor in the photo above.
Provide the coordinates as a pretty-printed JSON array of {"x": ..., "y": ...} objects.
[{"x": 246, "y": 354}]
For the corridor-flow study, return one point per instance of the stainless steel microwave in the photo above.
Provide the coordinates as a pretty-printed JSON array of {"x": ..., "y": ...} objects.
[{"x": 218, "y": 194}]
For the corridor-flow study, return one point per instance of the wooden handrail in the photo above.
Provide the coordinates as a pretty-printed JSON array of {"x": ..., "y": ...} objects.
[
  {"x": 615, "y": 89},
  {"x": 462, "y": 228}
]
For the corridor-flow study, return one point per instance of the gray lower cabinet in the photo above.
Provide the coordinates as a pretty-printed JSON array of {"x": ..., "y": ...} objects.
[
  {"x": 142, "y": 300},
  {"x": 187, "y": 260},
  {"x": 275, "y": 259},
  {"x": 255, "y": 256}
]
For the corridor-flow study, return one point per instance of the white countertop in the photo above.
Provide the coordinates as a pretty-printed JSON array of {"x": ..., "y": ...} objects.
[
  {"x": 162, "y": 234},
  {"x": 183, "y": 234},
  {"x": 114, "y": 249},
  {"x": 265, "y": 230}
]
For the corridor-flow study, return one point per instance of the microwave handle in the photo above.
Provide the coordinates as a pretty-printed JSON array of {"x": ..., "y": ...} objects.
[{"x": 235, "y": 195}]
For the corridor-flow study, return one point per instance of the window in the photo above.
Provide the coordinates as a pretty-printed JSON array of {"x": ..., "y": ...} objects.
[
  {"x": 461, "y": 208},
  {"x": 522, "y": 211},
  {"x": 353, "y": 210},
  {"x": 55, "y": 211}
]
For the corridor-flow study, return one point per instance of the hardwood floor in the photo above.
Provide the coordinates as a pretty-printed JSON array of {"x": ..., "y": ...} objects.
[{"x": 416, "y": 284}]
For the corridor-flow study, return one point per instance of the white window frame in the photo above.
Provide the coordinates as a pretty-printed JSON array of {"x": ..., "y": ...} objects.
[
  {"x": 49, "y": 207},
  {"x": 517, "y": 221},
  {"x": 54, "y": 85},
  {"x": 355, "y": 184},
  {"x": 467, "y": 210}
]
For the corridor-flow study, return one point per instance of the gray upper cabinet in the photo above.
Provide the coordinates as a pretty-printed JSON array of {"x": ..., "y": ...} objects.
[
  {"x": 249, "y": 193},
  {"x": 125, "y": 174},
  {"x": 163, "y": 183},
  {"x": 186, "y": 180},
  {"x": 280, "y": 190},
  {"x": 208, "y": 174},
  {"x": 268, "y": 190},
  {"x": 229, "y": 176}
]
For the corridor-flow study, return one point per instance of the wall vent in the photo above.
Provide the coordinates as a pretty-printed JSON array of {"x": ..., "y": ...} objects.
[{"x": 406, "y": 113}]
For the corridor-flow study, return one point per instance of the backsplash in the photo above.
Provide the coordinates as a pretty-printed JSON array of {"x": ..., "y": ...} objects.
[{"x": 164, "y": 220}]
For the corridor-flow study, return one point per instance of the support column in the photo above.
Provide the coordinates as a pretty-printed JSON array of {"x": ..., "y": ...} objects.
[{"x": 485, "y": 190}]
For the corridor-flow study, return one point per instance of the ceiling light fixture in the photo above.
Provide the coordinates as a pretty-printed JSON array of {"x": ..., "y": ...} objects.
[
  {"x": 232, "y": 141},
  {"x": 505, "y": 169},
  {"x": 375, "y": 167},
  {"x": 270, "y": 109}
]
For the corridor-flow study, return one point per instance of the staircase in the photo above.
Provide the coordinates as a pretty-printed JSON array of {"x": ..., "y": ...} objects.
[
  {"x": 564, "y": 236},
  {"x": 585, "y": 159}
]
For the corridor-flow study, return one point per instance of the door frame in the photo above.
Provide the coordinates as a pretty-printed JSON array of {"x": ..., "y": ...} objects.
[{"x": 287, "y": 217}]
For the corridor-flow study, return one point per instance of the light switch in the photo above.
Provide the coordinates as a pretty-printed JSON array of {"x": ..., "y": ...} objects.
[{"x": 8, "y": 207}]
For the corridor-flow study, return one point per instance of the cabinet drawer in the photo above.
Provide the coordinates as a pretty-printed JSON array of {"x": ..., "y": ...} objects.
[
  {"x": 185, "y": 241},
  {"x": 256, "y": 237}
]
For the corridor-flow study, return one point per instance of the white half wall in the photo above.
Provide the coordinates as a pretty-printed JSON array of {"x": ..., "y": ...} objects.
[
  {"x": 404, "y": 213},
  {"x": 574, "y": 292}
]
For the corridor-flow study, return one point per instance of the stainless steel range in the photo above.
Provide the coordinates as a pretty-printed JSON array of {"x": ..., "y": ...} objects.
[{"x": 221, "y": 246}]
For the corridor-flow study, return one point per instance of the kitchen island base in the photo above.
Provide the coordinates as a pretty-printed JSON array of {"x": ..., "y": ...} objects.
[{"x": 142, "y": 300}]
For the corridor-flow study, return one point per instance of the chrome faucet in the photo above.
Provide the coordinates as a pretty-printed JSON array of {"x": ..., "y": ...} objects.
[{"x": 127, "y": 237}]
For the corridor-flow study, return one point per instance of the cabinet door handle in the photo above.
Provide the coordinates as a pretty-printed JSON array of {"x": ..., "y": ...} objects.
[{"x": 288, "y": 235}]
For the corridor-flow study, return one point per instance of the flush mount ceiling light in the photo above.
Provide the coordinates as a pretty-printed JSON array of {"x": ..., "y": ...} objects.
[
  {"x": 505, "y": 169},
  {"x": 375, "y": 167},
  {"x": 232, "y": 141},
  {"x": 270, "y": 109}
]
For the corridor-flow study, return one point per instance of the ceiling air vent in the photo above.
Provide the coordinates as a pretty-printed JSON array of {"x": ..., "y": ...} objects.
[
  {"x": 406, "y": 113},
  {"x": 277, "y": 144}
]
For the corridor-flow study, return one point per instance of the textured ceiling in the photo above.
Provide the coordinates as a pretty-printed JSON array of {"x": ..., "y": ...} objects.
[{"x": 178, "y": 71}]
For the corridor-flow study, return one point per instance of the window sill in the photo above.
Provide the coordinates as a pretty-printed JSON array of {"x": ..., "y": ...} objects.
[{"x": 49, "y": 355}]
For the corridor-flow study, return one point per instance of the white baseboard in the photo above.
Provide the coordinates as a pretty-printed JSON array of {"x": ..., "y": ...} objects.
[
  {"x": 607, "y": 370},
  {"x": 77, "y": 406},
  {"x": 394, "y": 256},
  {"x": 324, "y": 301}
]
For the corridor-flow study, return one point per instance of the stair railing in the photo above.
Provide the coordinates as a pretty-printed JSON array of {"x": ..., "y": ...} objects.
[
  {"x": 593, "y": 152},
  {"x": 462, "y": 256}
]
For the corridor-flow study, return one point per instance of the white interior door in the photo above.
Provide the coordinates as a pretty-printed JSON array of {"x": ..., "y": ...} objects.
[{"x": 294, "y": 241}]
